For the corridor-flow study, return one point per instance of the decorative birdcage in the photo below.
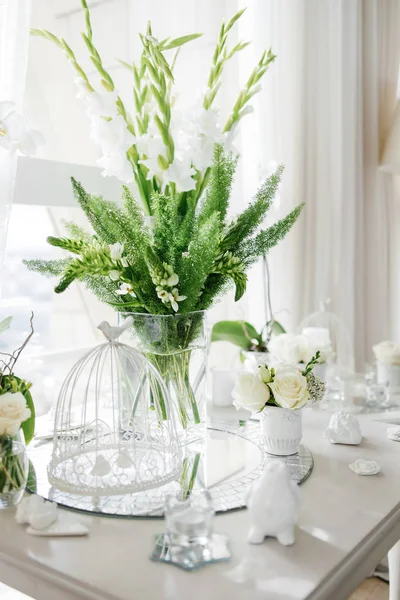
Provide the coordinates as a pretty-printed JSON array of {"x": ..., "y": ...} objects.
[
  {"x": 107, "y": 439},
  {"x": 324, "y": 321}
]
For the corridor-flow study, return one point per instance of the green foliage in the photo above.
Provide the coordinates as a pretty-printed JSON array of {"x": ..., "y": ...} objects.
[
  {"x": 48, "y": 268},
  {"x": 239, "y": 333},
  {"x": 252, "y": 249},
  {"x": 180, "y": 262},
  {"x": 220, "y": 185},
  {"x": 248, "y": 221},
  {"x": 195, "y": 267}
]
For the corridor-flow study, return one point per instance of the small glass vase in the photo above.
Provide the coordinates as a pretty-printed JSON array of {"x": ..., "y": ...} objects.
[
  {"x": 281, "y": 430},
  {"x": 177, "y": 346},
  {"x": 14, "y": 467}
]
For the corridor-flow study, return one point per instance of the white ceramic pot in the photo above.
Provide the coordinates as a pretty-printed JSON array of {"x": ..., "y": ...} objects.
[
  {"x": 281, "y": 430},
  {"x": 386, "y": 373}
]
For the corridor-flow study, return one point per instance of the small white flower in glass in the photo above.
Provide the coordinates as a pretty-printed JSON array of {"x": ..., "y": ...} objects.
[
  {"x": 278, "y": 394},
  {"x": 344, "y": 429},
  {"x": 273, "y": 502},
  {"x": 387, "y": 356}
]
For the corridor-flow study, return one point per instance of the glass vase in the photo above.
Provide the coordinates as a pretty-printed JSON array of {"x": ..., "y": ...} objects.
[
  {"x": 177, "y": 347},
  {"x": 14, "y": 467}
]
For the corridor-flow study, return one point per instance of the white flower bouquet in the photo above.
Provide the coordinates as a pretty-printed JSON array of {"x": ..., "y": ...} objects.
[
  {"x": 160, "y": 146},
  {"x": 17, "y": 423},
  {"x": 285, "y": 386}
]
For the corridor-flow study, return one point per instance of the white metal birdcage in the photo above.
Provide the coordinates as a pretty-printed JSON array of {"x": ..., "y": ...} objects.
[{"x": 111, "y": 435}]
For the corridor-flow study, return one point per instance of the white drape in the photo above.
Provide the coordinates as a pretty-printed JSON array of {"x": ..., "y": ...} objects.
[
  {"x": 325, "y": 110},
  {"x": 14, "y": 40}
]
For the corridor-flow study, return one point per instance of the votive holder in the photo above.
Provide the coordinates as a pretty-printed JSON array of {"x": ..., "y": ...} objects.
[{"x": 189, "y": 542}]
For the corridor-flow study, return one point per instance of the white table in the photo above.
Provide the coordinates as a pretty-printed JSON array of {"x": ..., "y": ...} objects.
[{"x": 347, "y": 524}]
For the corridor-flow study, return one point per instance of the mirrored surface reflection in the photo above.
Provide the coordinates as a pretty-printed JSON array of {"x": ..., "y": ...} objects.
[{"x": 227, "y": 463}]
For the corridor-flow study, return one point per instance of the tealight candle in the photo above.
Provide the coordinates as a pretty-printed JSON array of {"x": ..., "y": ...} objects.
[{"x": 189, "y": 518}]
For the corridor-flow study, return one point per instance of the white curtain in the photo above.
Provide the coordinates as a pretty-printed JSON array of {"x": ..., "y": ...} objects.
[
  {"x": 14, "y": 40},
  {"x": 324, "y": 113}
]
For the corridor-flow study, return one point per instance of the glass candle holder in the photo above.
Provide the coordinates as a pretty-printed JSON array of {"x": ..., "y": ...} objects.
[{"x": 189, "y": 518}]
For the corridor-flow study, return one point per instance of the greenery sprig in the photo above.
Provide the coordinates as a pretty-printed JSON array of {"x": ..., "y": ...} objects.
[{"x": 311, "y": 363}]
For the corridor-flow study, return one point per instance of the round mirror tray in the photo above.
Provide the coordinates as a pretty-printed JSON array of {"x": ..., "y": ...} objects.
[{"x": 227, "y": 463}]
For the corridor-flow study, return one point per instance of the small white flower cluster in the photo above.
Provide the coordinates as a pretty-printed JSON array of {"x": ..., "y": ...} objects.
[
  {"x": 116, "y": 252},
  {"x": 15, "y": 134},
  {"x": 166, "y": 289}
]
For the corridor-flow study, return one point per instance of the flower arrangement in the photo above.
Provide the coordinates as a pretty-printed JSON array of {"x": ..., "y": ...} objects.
[
  {"x": 285, "y": 385},
  {"x": 183, "y": 259},
  {"x": 162, "y": 146},
  {"x": 17, "y": 412}
]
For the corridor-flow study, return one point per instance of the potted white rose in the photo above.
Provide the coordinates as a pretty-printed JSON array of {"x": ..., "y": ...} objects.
[
  {"x": 17, "y": 424},
  {"x": 278, "y": 394},
  {"x": 387, "y": 356}
]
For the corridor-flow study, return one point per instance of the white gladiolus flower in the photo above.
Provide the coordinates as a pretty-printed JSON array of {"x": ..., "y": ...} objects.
[
  {"x": 14, "y": 132},
  {"x": 116, "y": 165},
  {"x": 13, "y": 412},
  {"x": 250, "y": 392},
  {"x": 180, "y": 173},
  {"x": 126, "y": 288},
  {"x": 387, "y": 352},
  {"x": 289, "y": 387}
]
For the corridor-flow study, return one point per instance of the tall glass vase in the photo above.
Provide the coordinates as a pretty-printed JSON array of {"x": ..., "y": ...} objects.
[{"x": 177, "y": 346}]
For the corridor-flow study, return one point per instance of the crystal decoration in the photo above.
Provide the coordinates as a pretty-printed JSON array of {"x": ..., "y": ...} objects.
[{"x": 106, "y": 440}]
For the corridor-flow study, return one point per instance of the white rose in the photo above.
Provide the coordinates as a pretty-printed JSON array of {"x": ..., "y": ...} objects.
[
  {"x": 13, "y": 412},
  {"x": 289, "y": 348},
  {"x": 250, "y": 392},
  {"x": 387, "y": 352},
  {"x": 289, "y": 387}
]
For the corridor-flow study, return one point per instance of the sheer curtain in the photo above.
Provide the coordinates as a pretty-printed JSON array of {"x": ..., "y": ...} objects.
[
  {"x": 325, "y": 111},
  {"x": 14, "y": 40}
]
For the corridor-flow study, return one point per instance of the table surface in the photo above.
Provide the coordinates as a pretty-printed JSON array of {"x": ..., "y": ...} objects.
[{"x": 347, "y": 523}]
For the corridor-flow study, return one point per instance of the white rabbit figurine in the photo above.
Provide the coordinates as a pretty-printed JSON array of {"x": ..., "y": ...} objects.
[{"x": 273, "y": 502}]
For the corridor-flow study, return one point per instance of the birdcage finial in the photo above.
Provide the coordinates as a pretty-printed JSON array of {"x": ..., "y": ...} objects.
[{"x": 113, "y": 333}]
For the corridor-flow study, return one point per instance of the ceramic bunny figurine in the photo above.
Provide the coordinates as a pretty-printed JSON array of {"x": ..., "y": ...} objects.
[{"x": 273, "y": 502}]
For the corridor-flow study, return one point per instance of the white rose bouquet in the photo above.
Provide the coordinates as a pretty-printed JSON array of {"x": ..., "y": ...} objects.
[
  {"x": 285, "y": 386},
  {"x": 17, "y": 413}
]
